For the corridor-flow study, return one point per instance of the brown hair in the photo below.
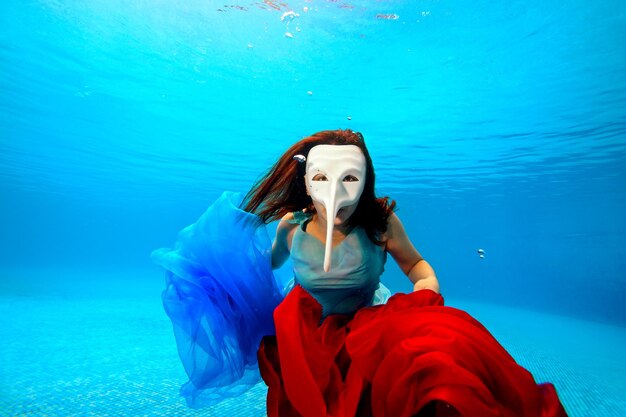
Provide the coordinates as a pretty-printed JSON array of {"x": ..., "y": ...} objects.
[{"x": 282, "y": 189}]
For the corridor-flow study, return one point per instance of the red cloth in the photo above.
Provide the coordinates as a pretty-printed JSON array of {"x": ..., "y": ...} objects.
[{"x": 409, "y": 357}]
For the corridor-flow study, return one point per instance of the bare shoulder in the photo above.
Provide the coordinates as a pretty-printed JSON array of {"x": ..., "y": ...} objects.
[
  {"x": 287, "y": 217},
  {"x": 287, "y": 222},
  {"x": 286, "y": 228},
  {"x": 394, "y": 227}
]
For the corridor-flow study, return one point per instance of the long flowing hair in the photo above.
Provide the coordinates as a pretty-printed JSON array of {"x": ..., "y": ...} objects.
[{"x": 282, "y": 189}]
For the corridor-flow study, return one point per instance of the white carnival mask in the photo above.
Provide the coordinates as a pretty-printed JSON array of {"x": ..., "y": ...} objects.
[{"x": 335, "y": 177}]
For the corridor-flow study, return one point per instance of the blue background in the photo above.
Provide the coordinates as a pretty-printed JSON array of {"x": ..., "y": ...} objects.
[{"x": 494, "y": 125}]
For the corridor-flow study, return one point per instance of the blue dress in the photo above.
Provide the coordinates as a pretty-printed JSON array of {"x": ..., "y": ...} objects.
[
  {"x": 220, "y": 296},
  {"x": 354, "y": 277}
]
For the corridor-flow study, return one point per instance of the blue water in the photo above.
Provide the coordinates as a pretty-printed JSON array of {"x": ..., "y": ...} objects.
[{"x": 494, "y": 125}]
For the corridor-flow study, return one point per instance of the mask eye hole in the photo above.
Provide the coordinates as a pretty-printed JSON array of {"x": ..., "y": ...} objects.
[
  {"x": 320, "y": 177},
  {"x": 350, "y": 178}
]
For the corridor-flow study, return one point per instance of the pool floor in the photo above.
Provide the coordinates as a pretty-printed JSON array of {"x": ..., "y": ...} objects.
[{"x": 64, "y": 355}]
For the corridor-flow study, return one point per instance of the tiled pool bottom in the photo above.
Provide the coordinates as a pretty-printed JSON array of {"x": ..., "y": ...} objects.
[{"x": 63, "y": 356}]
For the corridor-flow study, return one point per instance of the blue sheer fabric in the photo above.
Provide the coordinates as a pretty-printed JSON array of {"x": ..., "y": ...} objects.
[{"x": 220, "y": 296}]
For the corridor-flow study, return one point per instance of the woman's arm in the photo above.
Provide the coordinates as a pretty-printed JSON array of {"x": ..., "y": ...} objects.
[
  {"x": 281, "y": 248},
  {"x": 408, "y": 258}
]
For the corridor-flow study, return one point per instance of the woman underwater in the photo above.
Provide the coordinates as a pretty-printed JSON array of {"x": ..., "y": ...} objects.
[{"x": 336, "y": 346}]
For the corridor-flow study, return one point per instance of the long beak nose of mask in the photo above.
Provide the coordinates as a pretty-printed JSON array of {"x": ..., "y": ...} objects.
[
  {"x": 332, "y": 207},
  {"x": 335, "y": 177}
]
